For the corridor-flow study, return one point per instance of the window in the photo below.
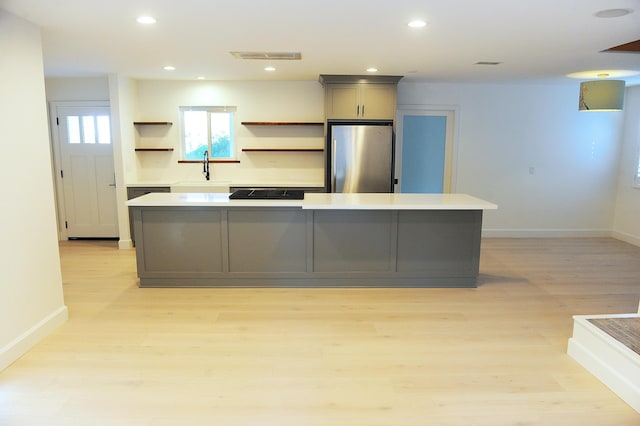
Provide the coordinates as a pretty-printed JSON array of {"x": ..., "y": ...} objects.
[
  {"x": 207, "y": 129},
  {"x": 88, "y": 129}
]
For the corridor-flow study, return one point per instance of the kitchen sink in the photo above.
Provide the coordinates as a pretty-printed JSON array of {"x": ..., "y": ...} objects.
[{"x": 267, "y": 194}]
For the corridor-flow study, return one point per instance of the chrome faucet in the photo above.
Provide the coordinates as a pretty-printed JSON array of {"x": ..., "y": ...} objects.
[{"x": 205, "y": 165}]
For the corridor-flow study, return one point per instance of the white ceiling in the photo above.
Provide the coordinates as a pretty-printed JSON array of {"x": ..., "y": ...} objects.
[{"x": 533, "y": 40}]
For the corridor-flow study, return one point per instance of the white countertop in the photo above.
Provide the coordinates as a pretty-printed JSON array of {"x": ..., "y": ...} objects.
[
  {"x": 204, "y": 183},
  {"x": 395, "y": 202},
  {"x": 322, "y": 201},
  {"x": 197, "y": 199},
  {"x": 148, "y": 183}
]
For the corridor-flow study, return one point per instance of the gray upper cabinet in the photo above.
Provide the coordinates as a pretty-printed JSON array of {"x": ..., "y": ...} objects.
[
  {"x": 360, "y": 101},
  {"x": 356, "y": 97}
]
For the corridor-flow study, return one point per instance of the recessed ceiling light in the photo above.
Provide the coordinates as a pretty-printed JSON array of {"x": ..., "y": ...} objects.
[
  {"x": 602, "y": 73},
  {"x": 146, "y": 20},
  {"x": 372, "y": 69},
  {"x": 270, "y": 69},
  {"x": 612, "y": 13},
  {"x": 169, "y": 68},
  {"x": 417, "y": 23},
  {"x": 200, "y": 77}
]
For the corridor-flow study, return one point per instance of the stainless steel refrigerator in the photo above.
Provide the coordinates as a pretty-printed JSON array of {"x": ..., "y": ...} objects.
[{"x": 360, "y": 157}]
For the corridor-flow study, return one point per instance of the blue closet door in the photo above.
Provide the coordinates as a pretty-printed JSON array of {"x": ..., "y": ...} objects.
[{"x": 423, "y": 153}]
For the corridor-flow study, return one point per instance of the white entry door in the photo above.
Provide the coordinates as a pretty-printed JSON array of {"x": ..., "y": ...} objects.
[{"x": 87, "y": 172}]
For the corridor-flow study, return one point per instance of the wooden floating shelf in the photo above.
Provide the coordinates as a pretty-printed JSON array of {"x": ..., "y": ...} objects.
[
  {"x": 153, "y": 123},
  {"x": 282, "y": 149},
  {"x": 282, "y": 123},
  {"x": 154, "y": 149}
]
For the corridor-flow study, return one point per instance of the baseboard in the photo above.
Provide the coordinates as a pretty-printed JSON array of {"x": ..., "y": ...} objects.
[
  {"x": 125, "y": 244},
  {"x": 546, "y": 233},
  {"x": 627, "y": 238},
  {"x": 20, "y": 345}
]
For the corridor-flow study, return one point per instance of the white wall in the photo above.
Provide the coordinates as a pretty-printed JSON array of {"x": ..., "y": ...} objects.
[
  {"x": 505, "y": 129},
  {"x": 627, "y": 213},
  {"x": 77, "y": 89},
  {"x": 31, "y": 300},
  {"x": 123, "y": 106},
  {"x": 255, "y": 101}
]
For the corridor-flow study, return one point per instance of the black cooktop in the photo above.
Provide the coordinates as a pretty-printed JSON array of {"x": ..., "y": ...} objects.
[{"x": 267, "y": 194}]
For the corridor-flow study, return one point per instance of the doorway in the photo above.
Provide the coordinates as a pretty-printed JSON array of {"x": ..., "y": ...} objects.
[
  {"x": 86, "y": 190},
  {"x": 425, "y": 150}
]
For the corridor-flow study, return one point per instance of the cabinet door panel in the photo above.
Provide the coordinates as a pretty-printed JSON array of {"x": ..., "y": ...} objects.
[
  {"x": 342, "y": 101},
  {"x": 267, "y": 240},
  {"x": 379, "y": 101},
  {"x": 441, "y": 242},
  {"x": 352, "y": 241},
  {"x": 183, "y": 240}
]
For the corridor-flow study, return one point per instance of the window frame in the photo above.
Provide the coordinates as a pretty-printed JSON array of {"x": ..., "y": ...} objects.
[
  {"x": 88, "y": 129},
  {"x": 209, "y": 109}
]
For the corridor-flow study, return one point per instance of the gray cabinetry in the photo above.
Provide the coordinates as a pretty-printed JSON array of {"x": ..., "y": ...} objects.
[
  {"x": 353, "y": 241},
  {"x": 267, "y": 240},
  {"x": 292, "y": 247},
  {"x": 181, "y": 240},
  {"x": 360, "y": 101},
  {"x": 139, "y": 191},
  {"x": 360, "y": 97},
  {"x": 443, "y": 243}
]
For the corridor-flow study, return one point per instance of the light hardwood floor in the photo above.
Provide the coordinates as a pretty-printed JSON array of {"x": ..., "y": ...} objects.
[{"x": 495, "y": 355}]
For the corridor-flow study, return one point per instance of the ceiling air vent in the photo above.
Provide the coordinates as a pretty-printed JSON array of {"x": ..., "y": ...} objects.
[
  {"x": 270, "y": 56},
  {"x": 487, "y": 63}
]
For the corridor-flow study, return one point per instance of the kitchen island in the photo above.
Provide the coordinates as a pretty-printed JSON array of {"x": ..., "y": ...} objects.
[{"x": 325, "y": 240}]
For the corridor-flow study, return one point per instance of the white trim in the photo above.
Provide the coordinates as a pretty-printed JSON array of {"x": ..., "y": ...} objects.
[
  {"x": 546, "y": 233},
  {"x": 21, "y": 344},
  {"x": 610, "y": 361},
  {"x": 560, "y": 233},
  {"x": 627, "y": 238},
  {"x": 125, "y": 244}
]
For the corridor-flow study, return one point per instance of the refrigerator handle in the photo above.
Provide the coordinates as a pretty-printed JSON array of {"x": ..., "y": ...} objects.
[
  {"x": 363, "y": 110},
  {"x": 358, "y": 110},
  {"x": 333, "y": 165}
]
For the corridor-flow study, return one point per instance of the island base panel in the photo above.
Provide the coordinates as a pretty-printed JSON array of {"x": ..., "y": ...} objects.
[
  {"x": 311, "y": 282},
  {"x": 293, "y": 247}
]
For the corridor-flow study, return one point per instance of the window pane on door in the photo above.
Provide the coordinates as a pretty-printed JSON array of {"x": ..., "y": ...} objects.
[
  {"x": 88, "y": 128},
  {"x": 104, "y": 129},
  {"x": 73, "y": 129}
]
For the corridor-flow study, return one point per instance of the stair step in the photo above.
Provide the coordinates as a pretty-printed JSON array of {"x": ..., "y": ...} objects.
[{"x": 608, "y": 346}]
